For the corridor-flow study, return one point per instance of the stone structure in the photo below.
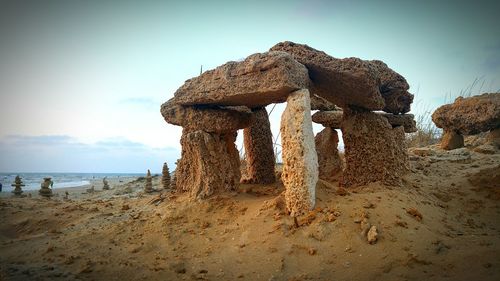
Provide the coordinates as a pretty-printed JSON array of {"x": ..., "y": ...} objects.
[
  {"x": 213, "y": 106},
  {"x": 165, "y": 176},
  {"x": 148, "y": 186},
  {"x": 258, "y": 142},
  {"x": 467, "y": 116},
  {"x": 105, "y": 184},
  {"x": 374, "y": 150},
  {"x": 329, "y": 162},
  {"x": 45, "y": 189},
  {"x": 300, "y": 162},
  {"x": 18, "y": 184}
]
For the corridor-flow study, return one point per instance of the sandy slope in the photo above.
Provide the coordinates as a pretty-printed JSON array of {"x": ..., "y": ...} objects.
[{"x": 452, "y": 232}]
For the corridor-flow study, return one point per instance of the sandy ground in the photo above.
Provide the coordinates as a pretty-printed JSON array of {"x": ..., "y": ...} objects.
[{"x": 441, "y": 224}]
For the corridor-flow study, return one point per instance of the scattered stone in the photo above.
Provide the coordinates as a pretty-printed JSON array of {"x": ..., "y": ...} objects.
[
  {"x": 451, "y": 140},
  {"x": 372, "y": 235},
  {"x": 352, "y": 81},
  {"x": 330, "y": 164},
  {"x": 259, "y": 80},
  {"x": 300, "y": 162},
  {"x": 415, "y": 214},
  {"x": 258, "y": 142}
]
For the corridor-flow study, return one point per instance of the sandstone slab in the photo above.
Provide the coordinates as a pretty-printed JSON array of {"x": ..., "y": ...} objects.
[
  {"x": 300, "y": 162},
  {"x": 330, "y": 164},
  {"x": 207, "y": 164},
  {"x": 333, "y": 119},
  {"x": 452, "y": 140},
  {"x": 351, "y": 81},
  {"x": 259, "y": 80},
  {"x": 374, "y": 151},
  {"x": 469, "y": 116},
  {"x": 206, "y": 118},
  {"x": 258, "y": 143}
]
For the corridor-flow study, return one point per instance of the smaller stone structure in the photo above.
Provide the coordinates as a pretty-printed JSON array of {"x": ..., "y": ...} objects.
[
  {"x": 18, "y": 183},
  {"x": 165, "y": 176},
  {"x": 148, "y": 186},
  {"x": 105, "y": 184},
  {"x": 468, "y": 116},
  {"x": 45, "y": 189}
]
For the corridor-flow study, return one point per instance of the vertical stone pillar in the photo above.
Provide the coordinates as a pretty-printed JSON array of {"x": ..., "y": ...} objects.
[
  {"x": 300, "y": 161},
  {"x": 207, "y": 164},
  {"x": 330, "y": 164},
  {"x": 451, "y": 140},
  {"x": 258, "y": 142},
  {"x": 374, "y": 151}
]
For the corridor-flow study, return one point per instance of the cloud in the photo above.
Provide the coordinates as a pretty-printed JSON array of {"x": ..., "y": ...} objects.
[{"x": 60, "y": 153}]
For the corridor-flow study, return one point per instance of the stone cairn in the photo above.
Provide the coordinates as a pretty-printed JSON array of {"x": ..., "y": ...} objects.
[
  {"x": 165, "y": 176},
  {"x": 45, "y": 189},
  {"x": 148, "y": 187},
  {"x": 213, "y": 106},
  {"x": 18, "y": 183},
  {"x": 469, "y": 116},
  {"x": 105, "y": 184}
]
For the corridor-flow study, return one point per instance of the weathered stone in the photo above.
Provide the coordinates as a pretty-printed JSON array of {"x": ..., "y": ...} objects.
[
  {"x": 207, "y": 165},
  {"x": 319, "y": 103},
  {"x": 352, "y": 81},
  {"x": 258, "y": 142},
  {"x": 374, "y": 151},
  {"x": 469, "y": 116},
  {"x": 329, "y": 119},
  {"x": 300, "y": 162},
  {"x": 452, "y": 140},
  {"x": 18, "y": 184},
  {"x": 330, "y": 164},
  {"x": 333, "y": 119},
  {"x": 45, "y": 189},
  {"x": 493, "y": 137},
  {"x": 165, "y": 176},
  {"x": 206, "y": 118},
  {"x": 148, "y": 185},
  {"x": 259, "y": 80}
]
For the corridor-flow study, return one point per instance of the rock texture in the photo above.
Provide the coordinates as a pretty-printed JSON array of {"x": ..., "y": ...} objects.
[
  {"x": 319, "y": 103},
  {"x": 469, "y": 116},
  {"x": 300, "y": 163},
  {"x": 207, "y": 164},
  {"x": 259, "y": 80},
  {"x": 374, "y": 151},
  {"x": 165, "y": 176},
  {"x": 206, "y": 118},
  {"x": 352, "y": 81},
  {"x": 258, "y": 142},
  {"x": 452, "y": 140},
  {"x": 148, "y": 186},
  {"x": 333, "y": 119},
  {"x": 330, "y": 164}
]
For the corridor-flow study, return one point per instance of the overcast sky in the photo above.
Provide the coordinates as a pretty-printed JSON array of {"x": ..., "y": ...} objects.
[{"x": 81, "y": 82}]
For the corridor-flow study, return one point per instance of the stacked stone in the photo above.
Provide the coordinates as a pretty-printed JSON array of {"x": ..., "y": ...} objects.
[
  {"x": 358, "y": 87},
  {"x": 148, "y": 186},
  {"x": 45, "y": 189},
  {"x": 18, "y": 183},
  {"x": 105, "y": 184},
  {"x": 165, "y": 176},
  {"x": 469, "y": 116}
]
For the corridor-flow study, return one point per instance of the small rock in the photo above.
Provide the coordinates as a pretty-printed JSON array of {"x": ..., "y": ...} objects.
[
  {"x": 312, "y": 251},
  {"x": 372, "y": 235},
  {"x": 415, "y": 214}
]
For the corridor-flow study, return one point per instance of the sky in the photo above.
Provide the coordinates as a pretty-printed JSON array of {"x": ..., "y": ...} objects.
[{"x": 81, "y": 82}]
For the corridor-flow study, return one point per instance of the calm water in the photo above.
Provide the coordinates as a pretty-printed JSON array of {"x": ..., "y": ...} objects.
[{"x": 61, "y": 180}]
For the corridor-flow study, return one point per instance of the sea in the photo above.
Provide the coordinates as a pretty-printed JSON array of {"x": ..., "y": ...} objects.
[{"x": 61, "y": 180}]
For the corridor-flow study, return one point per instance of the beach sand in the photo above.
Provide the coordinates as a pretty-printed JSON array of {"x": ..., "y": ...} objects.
[{"x": 441, "y": 224}]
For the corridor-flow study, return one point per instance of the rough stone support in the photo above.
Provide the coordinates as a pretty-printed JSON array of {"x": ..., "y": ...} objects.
[
  {"x": 452, "y": 140},
  {"x": 330, "y": 164},
  {"x": 374, "y": 151},
  {"x": 258, "y": 141},
  {"x": 208, "y": 163},
  {"x": 300, "y": 162}
]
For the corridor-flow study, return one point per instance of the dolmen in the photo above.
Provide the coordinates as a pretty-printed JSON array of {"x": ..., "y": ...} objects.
[
  {"x": 469, "y": 116},
  {"x": 212, "y": 107}
]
